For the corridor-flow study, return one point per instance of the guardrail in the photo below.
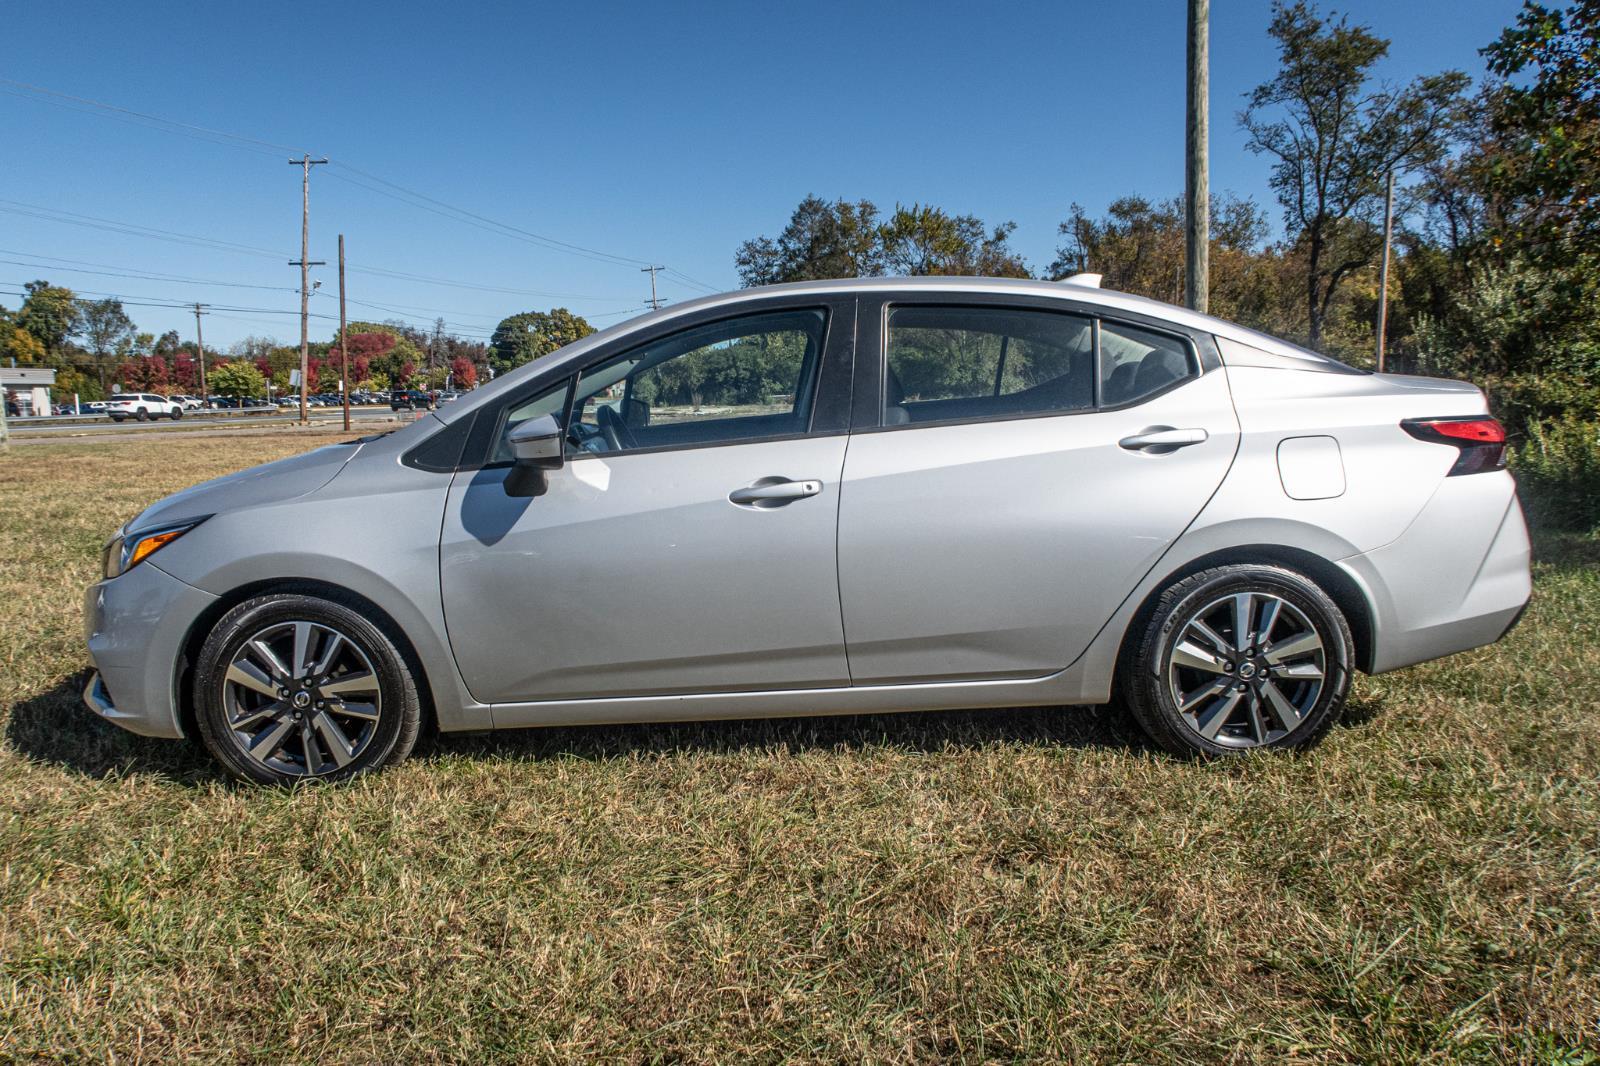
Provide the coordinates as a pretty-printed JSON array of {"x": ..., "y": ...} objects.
[{"x": 100, "y": 418}]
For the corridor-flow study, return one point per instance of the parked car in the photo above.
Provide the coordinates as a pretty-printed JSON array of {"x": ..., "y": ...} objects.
[
  {"x": 411, "y": 400},
  {"x": 190, "y": 403},
  {"x": 883, "y": 494},
  {"x": 142, "y": 406}
]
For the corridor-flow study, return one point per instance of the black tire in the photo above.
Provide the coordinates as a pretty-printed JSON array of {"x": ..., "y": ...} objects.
[
  {"x": 118, "y": 418},
  {"x": 177, "y": 413},
  {"x": 141, "y": 414},
  {"x": 1149, "y": 684},
  {"x": 399, "y": 711}
]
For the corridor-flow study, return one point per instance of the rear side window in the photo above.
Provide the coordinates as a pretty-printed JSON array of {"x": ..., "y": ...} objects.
[
  {"x": 1135, "y": 363},
  {"x": 980, "y": 362}
]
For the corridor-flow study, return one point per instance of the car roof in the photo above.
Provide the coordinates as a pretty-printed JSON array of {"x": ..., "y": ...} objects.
[{"x": 1082, "y": 292}]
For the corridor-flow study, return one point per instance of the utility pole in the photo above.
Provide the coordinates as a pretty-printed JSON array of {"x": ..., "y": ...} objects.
[
  {"x": 344, "y": 352},
  {"x": 655, "y": 303},
  {"x": 200, "y": 350},
  {"x": 1383, "y": 274},
  {"x": 305, "y": 163},
  {"x": 1197, "y": 172}
]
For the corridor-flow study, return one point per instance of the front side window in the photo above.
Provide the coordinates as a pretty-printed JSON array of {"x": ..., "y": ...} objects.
[
  {"x": 949, "y": 363},
  {"x": 552, "y": 401},
  {"x": 1136, "y": 363},
  {"x": 739, "y": 379}
]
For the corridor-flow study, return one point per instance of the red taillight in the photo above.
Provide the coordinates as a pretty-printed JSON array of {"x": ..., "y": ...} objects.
[{"x": 1481, "y": 440}]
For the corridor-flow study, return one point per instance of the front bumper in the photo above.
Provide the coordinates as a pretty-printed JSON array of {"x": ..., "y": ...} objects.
[{"x": 135, "y": 627}]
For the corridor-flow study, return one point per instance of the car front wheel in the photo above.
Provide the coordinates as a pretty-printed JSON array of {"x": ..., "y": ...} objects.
[
  {"x": 177, "y": 413},
  {"x": 293, "y": 687},
  {"x": 1238, "y": 657}
]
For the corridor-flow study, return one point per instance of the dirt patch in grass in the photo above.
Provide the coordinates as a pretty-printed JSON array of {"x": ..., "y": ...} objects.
[{"x": 1032, "y": 884}]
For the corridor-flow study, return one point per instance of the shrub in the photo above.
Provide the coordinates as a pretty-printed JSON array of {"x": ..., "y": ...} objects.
[{"x": 1558, "y": 471}]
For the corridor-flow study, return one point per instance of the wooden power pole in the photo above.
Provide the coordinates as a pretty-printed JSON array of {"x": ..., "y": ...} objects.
[
  {"x": 200, "y": 350},
  {"x": 1383, "y": 273},
  {"x": 1197, "y": 175},
  {"x": 655, "y": 304},
  {"x": 344, "y": 351},
  {"x": 305, "y": 163}
]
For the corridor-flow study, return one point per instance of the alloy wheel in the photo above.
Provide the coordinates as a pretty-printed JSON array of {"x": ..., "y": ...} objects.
[
  {"x": 1246, "y": 669},
  {"x": 301, "y": 698}
]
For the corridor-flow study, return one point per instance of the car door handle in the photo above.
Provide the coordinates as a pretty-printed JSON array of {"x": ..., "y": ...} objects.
[
  {"x": 774, "y": 492},
  {"x": 1161, "y": 441}
]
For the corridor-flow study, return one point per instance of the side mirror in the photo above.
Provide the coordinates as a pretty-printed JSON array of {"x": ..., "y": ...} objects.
[{"x": 537, "y": 447}]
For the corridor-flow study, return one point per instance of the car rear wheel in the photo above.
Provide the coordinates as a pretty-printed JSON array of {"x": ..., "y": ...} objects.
[
  {"x": 1238, "y": 657},
  {"x": 118, "y": 418},
  {"x": 293, "y": 687},
  {"x": 141, "y": 414}
]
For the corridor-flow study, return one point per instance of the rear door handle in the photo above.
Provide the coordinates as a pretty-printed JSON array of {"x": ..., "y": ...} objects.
[
  {"x": 1161, "y": 441},
  {"x": 774, "y": 492}
]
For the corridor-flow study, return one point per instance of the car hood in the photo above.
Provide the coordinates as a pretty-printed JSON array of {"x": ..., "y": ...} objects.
[{"x": 270, "y": 483}]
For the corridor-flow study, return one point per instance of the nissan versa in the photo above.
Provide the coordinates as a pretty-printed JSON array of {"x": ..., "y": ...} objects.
[{"x": 831, "y": 497}]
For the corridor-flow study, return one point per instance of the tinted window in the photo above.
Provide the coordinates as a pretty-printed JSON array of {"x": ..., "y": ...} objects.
[
  {"x": 1135, "y": 363},
  {"x": 978, "y": 362},
  {"x": 739, "y": 379}
]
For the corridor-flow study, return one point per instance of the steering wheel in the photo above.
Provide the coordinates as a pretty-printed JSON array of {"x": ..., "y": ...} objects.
[{"x": 618, "y": 435}]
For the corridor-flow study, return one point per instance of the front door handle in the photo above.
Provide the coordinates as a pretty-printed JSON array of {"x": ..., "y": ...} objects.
[
  {"x": 1162, "y": 440},
  {"x": 774, "y": 492}
]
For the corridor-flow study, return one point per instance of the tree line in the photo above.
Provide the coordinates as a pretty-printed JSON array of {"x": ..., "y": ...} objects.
[{"x": 94, "y": 346}]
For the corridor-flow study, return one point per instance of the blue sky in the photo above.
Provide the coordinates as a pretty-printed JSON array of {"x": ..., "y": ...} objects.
[{"x": 653, "y": 132}]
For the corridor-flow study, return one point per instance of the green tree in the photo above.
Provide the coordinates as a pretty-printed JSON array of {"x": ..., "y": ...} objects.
[
  {"x": 237, "y": 378},
  {"x": 1335, "y": 138},
  {"x": 822, "y": 240},
  {"x": 921, "y": 240},
  {"x": 1546, "y": 111},
  {"x": 18, "y": 344},
  {"x": 50, "y": 313},
  {"x": 847, "y": 240},
  {"x": 167, "y": 344},
  {"x": 106, "y": 330},
  {"x": 524, "y": 337},
  {"x": 1506, "y": 270},
  {"x": 1138, "y": 246}
]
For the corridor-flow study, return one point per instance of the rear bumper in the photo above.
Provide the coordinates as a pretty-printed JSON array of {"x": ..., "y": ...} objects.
[
  {"x": 135, "y": 626},
  {"x": 1457, "y": 579}
]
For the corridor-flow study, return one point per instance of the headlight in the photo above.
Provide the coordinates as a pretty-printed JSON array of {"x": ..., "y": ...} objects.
[{"x": 123, "y": 552}]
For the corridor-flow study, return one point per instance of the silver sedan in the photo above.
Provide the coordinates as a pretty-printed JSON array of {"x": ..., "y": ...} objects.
[{"x": 830, "y": 498}]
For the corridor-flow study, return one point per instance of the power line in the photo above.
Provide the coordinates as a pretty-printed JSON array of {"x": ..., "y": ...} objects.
[
  {"x": 132, "y": 229},
  {"x": 383, "y": 186},
  {"x": 88, "y": 106},
  {"x": 472, "y": 218},
  {"x": 53, "y": 264}
]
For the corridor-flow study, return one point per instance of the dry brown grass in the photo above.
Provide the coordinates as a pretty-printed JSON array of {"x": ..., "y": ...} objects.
[{"x": 985, "y": 886}]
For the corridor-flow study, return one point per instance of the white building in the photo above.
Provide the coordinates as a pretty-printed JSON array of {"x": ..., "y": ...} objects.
[{"x": 29, "y": 386}]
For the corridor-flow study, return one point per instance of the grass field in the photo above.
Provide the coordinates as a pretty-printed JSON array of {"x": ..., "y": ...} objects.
[{"x": 976, "y": 886}]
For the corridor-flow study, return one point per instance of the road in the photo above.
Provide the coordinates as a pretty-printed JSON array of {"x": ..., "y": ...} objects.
[{"x": 41, "y": 427}]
